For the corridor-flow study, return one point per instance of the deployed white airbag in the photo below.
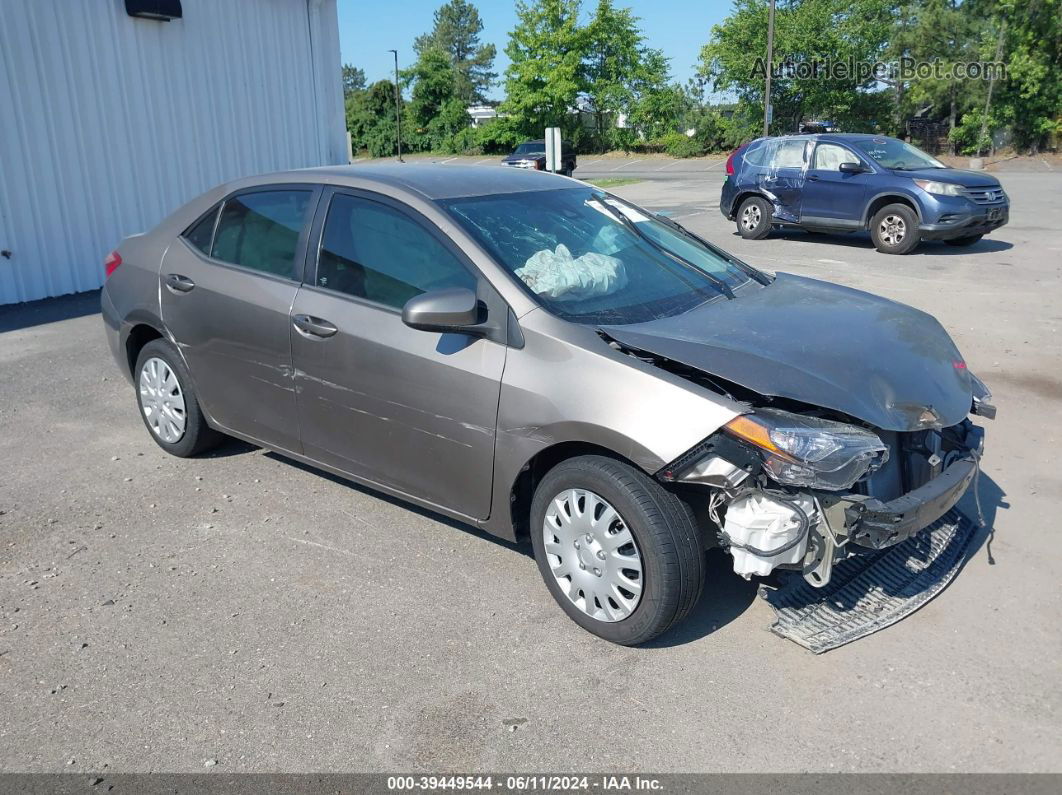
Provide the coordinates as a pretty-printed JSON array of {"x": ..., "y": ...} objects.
[{"x": 562, "y": 277}]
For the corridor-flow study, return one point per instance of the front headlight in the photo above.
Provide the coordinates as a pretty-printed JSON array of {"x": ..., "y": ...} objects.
[
  {"x": 808, "y": 451},
  {"x": 939, "y": 188}
]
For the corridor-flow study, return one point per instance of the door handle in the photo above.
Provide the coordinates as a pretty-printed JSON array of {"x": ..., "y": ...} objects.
[
  {"x": 310, "y": 326},
  {"x": 813, "y": 177},
  {"x": 179, "y": 284}
]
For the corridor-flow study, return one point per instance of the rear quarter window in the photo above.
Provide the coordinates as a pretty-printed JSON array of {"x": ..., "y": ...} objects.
[{"x": 201, "y": 233}]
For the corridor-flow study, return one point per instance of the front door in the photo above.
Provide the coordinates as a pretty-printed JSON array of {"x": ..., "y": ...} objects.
[
  {"x": 412, "y": 410},
  {"x": 832, "y": 197},
  {"x": 227, "y": 288}
]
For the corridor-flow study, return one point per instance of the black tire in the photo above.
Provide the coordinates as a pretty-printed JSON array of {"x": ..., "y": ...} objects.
[
  {"x": 753, "y": 218},
  {"x": 964, "y": 241},
  {"x": 198, "y": 437},
  {"x": 664, "y": 530},
  {"x": 894, "y": 229}
]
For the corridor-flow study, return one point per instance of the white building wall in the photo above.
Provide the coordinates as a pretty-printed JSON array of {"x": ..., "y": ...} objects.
[{"x": 108, "y": 123}]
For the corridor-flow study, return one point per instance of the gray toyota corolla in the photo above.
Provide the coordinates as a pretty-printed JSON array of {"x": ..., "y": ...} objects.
[{"x": 537, "y": 357}]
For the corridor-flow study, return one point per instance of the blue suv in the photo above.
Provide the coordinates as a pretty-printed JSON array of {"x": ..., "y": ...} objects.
[{"x": 845, "y": 183}]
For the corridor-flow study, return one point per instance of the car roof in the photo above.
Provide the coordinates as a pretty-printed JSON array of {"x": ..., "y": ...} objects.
[{"x": 432, "y": 180}]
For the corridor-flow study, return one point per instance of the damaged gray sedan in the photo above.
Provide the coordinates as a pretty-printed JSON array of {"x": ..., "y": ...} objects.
[{"x": 544, "y": 360}]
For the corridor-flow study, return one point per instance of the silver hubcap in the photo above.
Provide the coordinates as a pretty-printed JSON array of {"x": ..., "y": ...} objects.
[
  {"x": 750, "y": 217},
  {"x": 892, "y": 230},
  {"x": 592, "y": 555},
  {"x": 162, "y": 400}
]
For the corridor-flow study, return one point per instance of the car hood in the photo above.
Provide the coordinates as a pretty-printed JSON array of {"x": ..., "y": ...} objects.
[
  {"x": 968, "y": 179},
  {"x": 882, "y": 362},
  {"x": 528, "y": 156}
]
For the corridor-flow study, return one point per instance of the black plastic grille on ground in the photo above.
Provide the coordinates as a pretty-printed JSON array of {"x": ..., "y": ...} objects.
[{"x": 868, "y": 593}]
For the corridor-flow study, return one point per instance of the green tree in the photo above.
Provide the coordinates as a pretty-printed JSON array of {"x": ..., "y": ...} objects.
[
  {"x": 353, "y": 80},
  {"x": 436, "y": 111},
  {"x": 545, "y": 75},
  {"x": 806, "y": 31},
  {"x": 1030, "y": 99},
  {"x": 456, "y": 33},
  {"x": 622, "y": 78},
  {"x": 371, "y": 119},
  {"x": 942, "y": 31}
]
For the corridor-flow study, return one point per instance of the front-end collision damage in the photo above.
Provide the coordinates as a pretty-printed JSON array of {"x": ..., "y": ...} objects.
[{"x": 876, "y": 493}]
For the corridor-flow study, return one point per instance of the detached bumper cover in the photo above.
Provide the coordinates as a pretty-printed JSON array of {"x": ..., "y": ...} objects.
[{"x": 877, "y": 525}]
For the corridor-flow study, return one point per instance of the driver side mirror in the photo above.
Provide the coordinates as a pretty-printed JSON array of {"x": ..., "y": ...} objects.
[
  {"x": 852, "y": 168},
  {"x": 456, "y": 309}
]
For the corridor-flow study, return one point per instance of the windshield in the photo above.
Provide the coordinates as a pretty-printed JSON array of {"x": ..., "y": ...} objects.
[
  {"x": 592, "y": 258},
  {"x": 530, "y": 149},
  {"x": 898, "y": 155}
]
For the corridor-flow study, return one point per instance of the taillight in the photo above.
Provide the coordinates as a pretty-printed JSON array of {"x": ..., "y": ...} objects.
[
  {"x": 110, "y": 265},
  {"x": 730, "y": 162}
]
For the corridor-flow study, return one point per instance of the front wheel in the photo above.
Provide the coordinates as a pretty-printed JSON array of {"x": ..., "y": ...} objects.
[
  {"x": 894, "y": 229},
  {"x": 621, "y": 554},
  {"x": 964, "y": 241}
]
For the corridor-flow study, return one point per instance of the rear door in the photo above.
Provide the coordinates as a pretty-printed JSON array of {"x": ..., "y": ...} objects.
[
  {"x": 412, "y": 410},
  {"x": 227, "y": 288},
  {"x": 783, "y": 178},
  {"x": 831, "y": 197}
]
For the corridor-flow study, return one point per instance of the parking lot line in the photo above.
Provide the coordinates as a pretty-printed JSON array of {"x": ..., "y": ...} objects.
[
  {"x": 668, "y": 165},
  {"x": 483, "y": 160},
  {"x": 624, "y": 165},
  {"x": 448, "y": 160},
  {"x": 713, "y": 165},
  {"x": 592, "y": 162}
]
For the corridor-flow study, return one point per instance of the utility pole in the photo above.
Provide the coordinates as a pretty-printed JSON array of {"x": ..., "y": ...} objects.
[
  {"x": 770, "y": 55},
  {"x": 398, "y": 106}
]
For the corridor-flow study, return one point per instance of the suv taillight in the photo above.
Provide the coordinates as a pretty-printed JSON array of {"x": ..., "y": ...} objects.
[
  {"x": 730, "y": 161},
  {"x": 110, "y": 265}
]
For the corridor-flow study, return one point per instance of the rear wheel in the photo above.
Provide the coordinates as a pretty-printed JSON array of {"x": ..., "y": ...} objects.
[
  {"x": 754, "y": 218},
  {"x": 964, "y": 241},
  {"x": 894, "y": 229},
  {"x": 168, "y": 404},
  {"x": 620, "y": 553}
]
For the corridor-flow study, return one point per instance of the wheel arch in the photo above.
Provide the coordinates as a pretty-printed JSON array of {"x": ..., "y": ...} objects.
[
  {"x": 748, "y": 194},
  {"x": 883, "y": 199},
  {"x": 522, "y": 490},
  {"x": 141, "y": 332}
]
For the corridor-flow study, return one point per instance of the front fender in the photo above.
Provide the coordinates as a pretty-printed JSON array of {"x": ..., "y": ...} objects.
[{"x": 568, "y": 385}]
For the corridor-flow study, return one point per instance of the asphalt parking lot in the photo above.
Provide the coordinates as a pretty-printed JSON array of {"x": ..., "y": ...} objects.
[{"x": 243, "y": 611}]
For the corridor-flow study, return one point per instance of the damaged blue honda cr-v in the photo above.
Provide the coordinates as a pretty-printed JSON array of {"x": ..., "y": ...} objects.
[{"x": 846, "y": 183}]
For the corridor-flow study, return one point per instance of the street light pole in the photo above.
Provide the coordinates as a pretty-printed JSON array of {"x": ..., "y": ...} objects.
[
  {"x": 398, "y": 107},
  {"x": 770, "y": 54}
]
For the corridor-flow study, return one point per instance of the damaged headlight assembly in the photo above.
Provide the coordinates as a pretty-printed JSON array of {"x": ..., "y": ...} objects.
[{"x": 809, "y": 452}]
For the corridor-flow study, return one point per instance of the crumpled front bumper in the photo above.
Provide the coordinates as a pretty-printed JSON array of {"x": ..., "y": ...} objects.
[{"x": 869, "y": 522}]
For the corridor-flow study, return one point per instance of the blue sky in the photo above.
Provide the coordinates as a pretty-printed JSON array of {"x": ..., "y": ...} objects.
[{"x": 368, "y": 29}]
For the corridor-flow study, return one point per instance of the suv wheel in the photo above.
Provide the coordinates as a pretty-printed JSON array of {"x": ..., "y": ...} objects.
[
  {"x": 894, "y": 229},
  {"x": 168, "y": 404},
  {"x": 754, "y": 218},
  {"x": 964, "y": 241},
  {"x": 621, "y": 554}
]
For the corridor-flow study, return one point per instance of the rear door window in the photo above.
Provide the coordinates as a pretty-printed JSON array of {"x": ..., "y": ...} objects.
[
  {"x": 260, "y": 230},
  {"x": 789, "y": 154}
]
